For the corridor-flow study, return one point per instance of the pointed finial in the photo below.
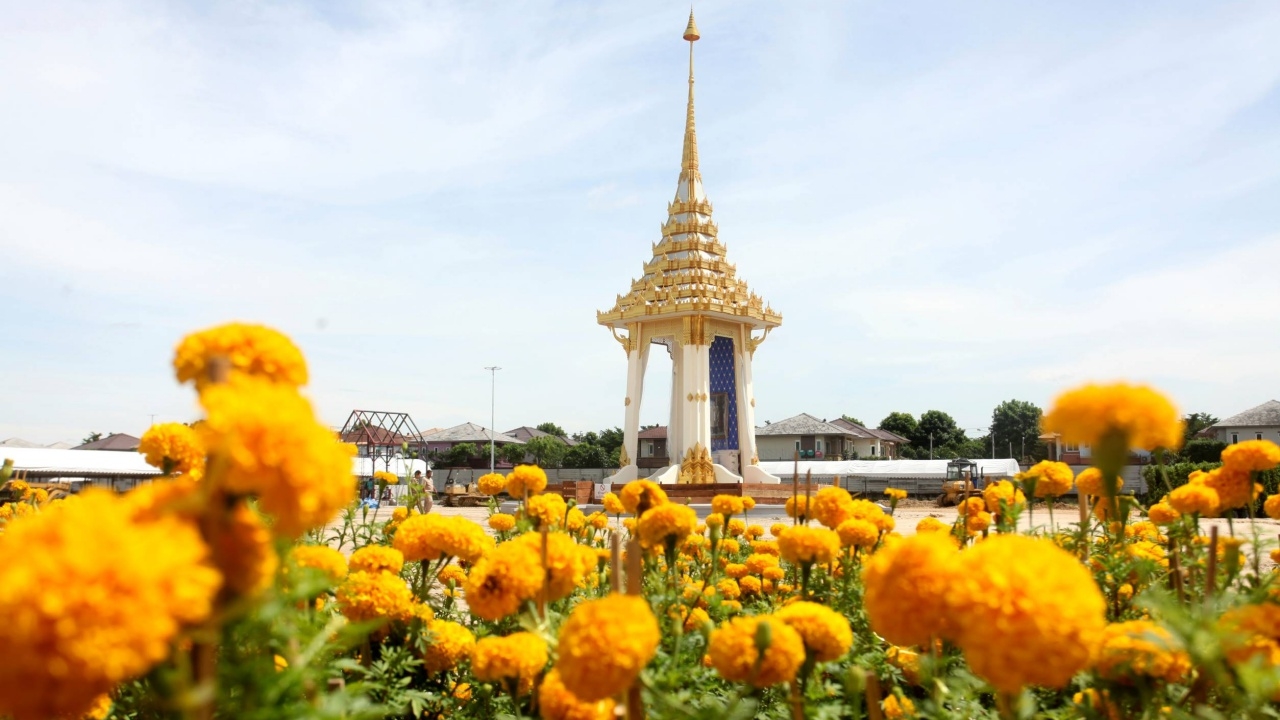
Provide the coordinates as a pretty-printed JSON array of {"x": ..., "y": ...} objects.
[{"x": 691, "y": 30}]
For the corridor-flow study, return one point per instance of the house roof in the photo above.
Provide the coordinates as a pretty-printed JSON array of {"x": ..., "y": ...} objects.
[
  {"x": 1265, "y": 415},
  {"x": 469, "y": 432},
  {"x": 114, "y": 441},
  {"x": 863, "y": 431},
  {"x": 526, "y": 433},
  {"x": 18, "y": 442},
  {"x": 802, "y": 424},
  {"x": 654, "y": 433}
]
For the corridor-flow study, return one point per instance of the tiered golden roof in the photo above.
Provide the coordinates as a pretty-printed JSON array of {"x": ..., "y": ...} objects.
[{"x": 689, "y": 274}]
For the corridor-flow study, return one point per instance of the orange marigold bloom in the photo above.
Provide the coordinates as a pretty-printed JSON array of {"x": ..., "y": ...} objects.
[
  {"x": 519, "y": 656},
  {"x": 376, "y": 559},
  {"x": 612, "y": 504},
  {"x": 431, "y": 536},
  {"x": 555, "y": 702},
  {"x": 896, "y": 709},
  {"x": 1145, "y": 418},
  {"x": 727, "y": 505},
  {"x": 500, "y": 582},
  {"x": 322, "y": 558},
  {"x": 1090, "y": 482},
  {"x": 750, "y": 585},
  {"x": 546, "y": 510},
  {"x": 907, "y": 585},
  {"x": 831, "y": 506},
  {"x": 728, "y": 589},
  {"x": 804, "y": 544},
  {"x": 452, "y": 574},
  {"x": 451, "y": 643},
  {"x": 798, "y": 507},
  {"x": 737, "y": 571},
  {"x": 491, "y": 483},
  {"x": 1140, "y": 648},
  {"x": 1033, "y": 591},
  {"x": 640, "y": 495},
  {"x": 502, "y": 522},
  {"x": 757, "y": 563},
  {"x": 1251, "y": 456},
  {"x": 858, "y": 533},
  {"x": 374, "y": 596},
  {"x": 1052, "y": 478},
  {"x": 253, "y": 350},
  {"x": 736, "y": 528},
  {"x": 605, "y": 644},
  {"x": 765, "y": 547},
  {"x": 669, "y": 521},
  {"x": 526, "y": 478},
  {"x": 243, "y": 551},
  {"x": 1002, "y": 491},
  {"x": 567, "y": 561},
  {"x": 825, "y": 632},
  {"x": 1194, "y": 498},
  {"x": 777, "y": 529},
  {"x": 1162, "y": 513},
  {"x": 1272, "y": 507},
  {"x": 735, "y": 651},
  {"x": 174, "y": 448},
  {"x": 1235, "y": 487},
  {"x": 932, "y": 524}
]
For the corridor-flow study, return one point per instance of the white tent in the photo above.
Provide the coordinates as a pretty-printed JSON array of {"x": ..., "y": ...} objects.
[
  {"x": 925, "y": 469},
  {"x": 399, "y": 466}
]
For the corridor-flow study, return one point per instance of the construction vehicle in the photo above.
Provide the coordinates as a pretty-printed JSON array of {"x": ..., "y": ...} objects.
[{"x": 964, "y": 479}]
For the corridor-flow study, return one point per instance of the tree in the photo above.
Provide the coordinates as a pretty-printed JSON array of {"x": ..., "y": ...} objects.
[
  {"x": 943, "y": 429},
  {"x": 546, "y": 451},
  {"x": 91, "y": 437},
  {"x": 900, "y": 423},
  {"x": 551, "y": 428},
  {"x": 610, "y": 440},
  {"x": 585, "y": 455},
  {"x": 513, "y": 453},
  {"x": 852, "y": 419},
  {"x": 460, "y": 455},
  {"x": 1016, "y": 424},
  {"x": 1193, "y": 424},
  {"x": 1203, "y": 450}
]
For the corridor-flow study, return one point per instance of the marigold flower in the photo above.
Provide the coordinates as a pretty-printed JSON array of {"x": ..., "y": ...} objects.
[
  {"x": 1141, "y": 415},
  {"x": 1140, "y": 648},
  {"x": 736, "y": 528},
  {"x": 976, "y": 518},
  {"x": 1251, "y": 456},
  {"x": 451, "y": 643},
  {"x": 728, "y": 546},
  {"x": 1099, "y": 702},
  {"x": 612, "y": 504},
  {"x": 766, "y": 547},
  {"x": 243, "y": 551},
  {"x": 502, "y": 522},
  {"x": 774, "y": 573},
  {"x": 750, "y": 585},
  {"x": 757, "y": 563},
  {"x": 666, "y": 522},
  {"x": 804, "y": 544},
  {"x": 518, "y": 656},
  {"x": 1090, "y": 482},
  {"x": 92, "y": 596},
  {"x": 1235, "y": 487},
  {"x": 598, "y": 520},
  {"x": 555, "y": 702},
  {"x": 574, "y": 520},
  {"x": 270, "y": 444},
  {"x": 895, "y": 493},
  {"x": 1052, "y": 478},
  {"x": 452, "y": 574},
  {"x": 825, "y": 632},
  {"x": 567, "y": 561},
  {"x": 322, "y": 558},
  {"x": 374, "y": 596},
  {"x": 523, "y": 479},
  {"x": 930, "y": 524},
  {"x": 906, "y": 660},
  {"x": 640, "y": 495},
  {"x": 727, "y": 505},
  {"x": 754, "y": 532},
  {"x": 174, "y": 448},
  {"x": 376, "y": 559},
  {"x": 735, "y": 651},
  {"x": 546, "y": 510},
  {"x": 1194, "y": 498},
  {"x": 831, "y": 506},
  {"x": 798, "y": 507},
  {"x": 1036, "y": 593},
  {"x": 491, "y": 483},
  {"x": 907, "y": 586},
  {"x": 748, "y": 503},
  {"x": 728, "y": 589},
  {"x": 430, "y": 537},
  {"x": 252, "y": 350},
  {"x": 1162, "y": 513},
  {"x": 695, "y": 619},
  {"x": 858, "y": 533},
  {"x": 1003, "y": 491},
  {"x": 896, "y": 708},
  {"x": 382, "y": 476},
  {"x": 777, "y": 529},
  {"x": 501, "y": 581},
  {"x": 101, "y": 708},
  {"x": 605, "y": 644}
]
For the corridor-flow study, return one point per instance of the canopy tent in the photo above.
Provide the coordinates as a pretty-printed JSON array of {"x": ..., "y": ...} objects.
[
  {"x": 399, "y": 467},
  {"x": 1005, "y": 468}
]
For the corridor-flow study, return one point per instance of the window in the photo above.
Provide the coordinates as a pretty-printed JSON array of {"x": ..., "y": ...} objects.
[
  {"x": 1071, "y": 447},
  {"x": 650, "y": 449},
  {"x": 719, "y": 415},
  {"x": 1235, "y": 438},
  {"x": 797, "y": 444},
  {"x": 819, "y": 446},
  {"x": 1259, "y": 436}
]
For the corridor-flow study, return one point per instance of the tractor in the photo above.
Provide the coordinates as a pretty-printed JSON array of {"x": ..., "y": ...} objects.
[{"x": 963, "y": 480}]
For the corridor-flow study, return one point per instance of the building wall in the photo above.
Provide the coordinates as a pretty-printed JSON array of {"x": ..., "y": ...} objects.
[
  {"x": 1247, "y": 433},
  {"x": 783, "y": 447}
]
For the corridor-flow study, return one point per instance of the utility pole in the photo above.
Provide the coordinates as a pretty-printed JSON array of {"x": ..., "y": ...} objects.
[
  {"x": 930, "y": 446},
  {"x": 493, "y": 384}
]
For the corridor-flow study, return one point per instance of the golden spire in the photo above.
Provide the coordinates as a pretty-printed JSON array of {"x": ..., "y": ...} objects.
[{"x": 689, "y": 156}]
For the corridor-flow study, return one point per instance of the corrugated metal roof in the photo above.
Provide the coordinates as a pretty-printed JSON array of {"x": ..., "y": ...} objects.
[{"x": 469, "y": 432}]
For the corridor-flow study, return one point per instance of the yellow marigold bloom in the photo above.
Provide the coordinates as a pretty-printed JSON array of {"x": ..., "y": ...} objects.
[
  {"x": 612, "y": 504},
  {"x": 243, "y": 551},
  {"x": 40, "y": 496},
  {"x": 757, "y": 563},
  {"x": 906, "y": 660},
  {"x": 766, "y": 547},
  {"x": 728, "y": 589},
  {"x": 932, "y": 524},
  {"x": 500, "y": 582},
  {"x": 523, "y": 479},
  {"x": 666, "y": 522},
  {"x": 748, "y": 503},
  {"x": 1272, "y": 507},
  {"x": 895, "y": 708},
  {"x": 598, "y": 520},
  {"x": 895, "y": 493},
  {"x": 1090, "y": 482},
  {"x": 1144, "y": 417},
  {"x": 1251, "y": 456},
  {"x": 1194, "y": 498},
  {"x": 976, "y": 518},
  {"x": 101, "y": 708},
  {"x": 491, "y": 483},
  {"x": 777, "y": 529},
  {"x": 737, "y": 571},
  {"x": 251, "y": 349},
  {"x": 605, "y": 644},
  {"x": 754, "y": 532},
  {"x": 502, "y": 522},
  {"x": 1144, "y": 529},
  {"x": 640, "y": 495},
  {"x": 629, "y": 524},
  {"x": 825, "y": 632},
  {"x": 91, "y": 597},
  {"x": 1140, "y": 648},
  {"x": 858, "y": 533},
  {"x": 804, "y": 544},
  {"x": 383, "y": 476},
  {"x": 713, "y": 521},
  {"x": 452, "y": 574},
  {"x": 546, "y": 510},
  {"x": 1235, "y": 487},
  {"x": 518, "y": 656},
  {"x": 1002, "y": 491},
  {"x": 555, "y": 702},
  {"x": 774, "y": 573},
  {"x": 1162, "y": 513},
  {"x": 451, "y": 643},
  {"x": 270, "y": 444},
  {"x": 322, "y": 558},
  {"x": 907, "y": 586},
  {"x": 20, "y": 488},
  {"x": 431, "y": 536},
  {"x": 1052, "y": 478},
  {"x": 1099, "y": 702},
  {"x": 1034, "y": 592},
  {"x": 798, "y": 507},
  {"x": 727, "y": 505},
  {"x": 750, "y": 585},
  {"x": 728, "y": 546},
  {"x": 735, "y": 651},
  {"x": 400, "y": 514},
  {"x": 374, "y": 596},
  {"x": 376, "y": 559},
  {"x": 736, "y": 528},
  {"x": 695, "y": 619},
  {"x": 173, "y": 447},
  {"x": 574, "y": 520},
  {"x": 567, "y": 561},
  {"x": 831, "y": 506}
]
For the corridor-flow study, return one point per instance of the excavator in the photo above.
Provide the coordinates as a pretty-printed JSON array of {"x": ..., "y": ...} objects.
[{"x": 964, "y": 479}]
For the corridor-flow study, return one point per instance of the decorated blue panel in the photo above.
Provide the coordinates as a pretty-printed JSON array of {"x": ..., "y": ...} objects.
[{"x": 724, "y": 396}]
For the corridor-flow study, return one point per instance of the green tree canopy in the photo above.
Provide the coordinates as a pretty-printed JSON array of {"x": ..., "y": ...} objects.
[
  {"x": 942, "y": 427},
  {"x": 1016, "y": 424},
  {"x": 585, "y": 455},
  {"x": 900, "y": 423},
  {"x": 1194, "y": 423},
  {"x": 91, "y": 437},
  {"x": 852, "y": 419},
  {"x": 460, "y": 455},
  {"x": 548, "y": 452},
  {"x": 551, "y": 428},
  {"x": 513, "y": 453}
]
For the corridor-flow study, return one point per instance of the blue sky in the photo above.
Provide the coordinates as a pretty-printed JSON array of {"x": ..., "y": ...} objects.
[{"x": 952, "y": 204}]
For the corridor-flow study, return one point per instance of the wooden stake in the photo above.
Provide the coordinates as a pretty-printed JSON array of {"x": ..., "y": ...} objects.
[
  {"x": 635, "y": 706},
  {"x": 1210, "y": 579},
  {"x": 615, "y": 561},
  {"x": 873, "y": 697}
]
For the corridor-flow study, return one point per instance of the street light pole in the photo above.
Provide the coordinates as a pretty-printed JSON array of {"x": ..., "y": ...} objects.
[{"x": 493, "y": 384}]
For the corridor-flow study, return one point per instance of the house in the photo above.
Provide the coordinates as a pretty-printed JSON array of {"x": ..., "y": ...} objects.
[
  {"x": 653, "y": 448},
  {"x": 442, "y": 441},
  {"x": 526, "y": 433},
  {"x": 870, "y": 442},
  {"x": 371, "y": 440},
  {"x": 1258, "y": 423},
  {"x": 805, "y": 434},
  {"x": 1076, "y": 454},
  {"x": 114, "y": 441}
]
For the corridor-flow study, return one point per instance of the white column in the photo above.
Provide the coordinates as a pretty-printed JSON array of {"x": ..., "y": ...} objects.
[
  {"x": 675, "y": 440},
  {"x": 696, "y": 422},
  {"x": 637, "y": 361},
  {"x": 746, "y": 411}
]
